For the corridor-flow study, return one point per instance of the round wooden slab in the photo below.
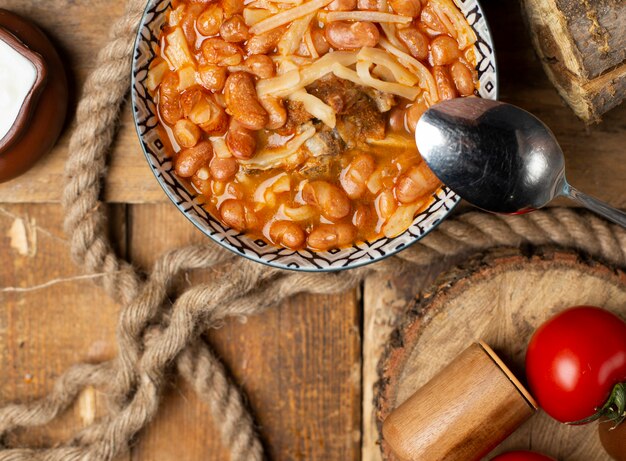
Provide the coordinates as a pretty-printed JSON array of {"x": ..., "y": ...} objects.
[{"x": 500, "y": 297}]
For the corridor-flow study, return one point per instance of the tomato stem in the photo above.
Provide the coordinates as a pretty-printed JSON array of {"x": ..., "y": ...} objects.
[{"x": 613, "y": 410}]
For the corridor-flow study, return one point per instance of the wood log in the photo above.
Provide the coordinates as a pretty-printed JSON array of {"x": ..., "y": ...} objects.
[
  {"x": 500, "y": 297},
  {"x": 582, "y": 47}
]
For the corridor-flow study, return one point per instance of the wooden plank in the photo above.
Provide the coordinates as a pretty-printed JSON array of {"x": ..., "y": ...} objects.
[
  {"x": 299, "y": 365},
  {"x": 385, "y": 300},
  {"x": 594, "y": 155},
  {"x": 48, "y": 319},
  {"x": 79, "y": 29}
]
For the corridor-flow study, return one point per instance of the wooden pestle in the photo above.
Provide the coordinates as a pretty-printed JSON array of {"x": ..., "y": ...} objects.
[{"x": 462, "y": 413}]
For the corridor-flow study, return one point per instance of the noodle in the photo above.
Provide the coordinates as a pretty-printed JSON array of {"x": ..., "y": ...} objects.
[
  {"x": 362, "y": 77},
  {"x": 382, "y": 58},
  {"x": 280, "y": 84},
  {"x": 285, "y": 17},
  {"x": 274, "y": 158},
  {"x": 460, "y": 29},
  {"x": 404, "y": 91},
  {"x": 291, "y": 39},
  {"x": 372, "y": 16},
  {"x": 316, "y": 107},
  {"x": 389, "y": 29},
  {"x": 424, "y": 75},
  {"x": 283, "y": 86},
  {"x": 308, "y": 40}
]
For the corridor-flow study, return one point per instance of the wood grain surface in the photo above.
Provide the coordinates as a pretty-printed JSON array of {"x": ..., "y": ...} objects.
[
  {"x": 463, "y": 412},
  {"x": 307, "y": 366},
  {"x": 488, "y": 299}
]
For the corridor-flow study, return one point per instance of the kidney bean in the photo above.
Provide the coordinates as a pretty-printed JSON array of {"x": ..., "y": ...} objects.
[
  {"x": 367, "y": 5},
  {"x": 276, "y": 111},
  {"x": 209, "y": 116},
  {"x": 232, "y": 7},
  {"x": 212, "y": 77},
  {"x": 265, "y": 43},
  {"x": 396, "y": 119},
  {"x": 445, "y": 86},
  {"x": 234, "y": 29},
  {"x": 362, "y": 217},
  {"x": 189, "y": 99},
  {"x": 417, "y": 182},
  {"x": 202, "y": 185},
  {"x": 342, "y": 5},
  {"x": 415, "y": 41},
  {"x": 344, "y": 35},
  {"x": 406, "y": 7},
  {"x": 288, "y": 234},
  {"x": 237, "y": 215},
  {"x": 240, "y": 141},
  {"x": 328, "y": 198},
  {"x": 444, "y": 50},
  {"x": 431, "y": 20},
  {"x": 223, "y": 169},
  {"x": 218, "y": 51},
  {"x": 319, "y": 41},
  {"x": 210, "y": 21},
  {"x": 328, "y": 236},
  {"x": 463, "y": 78},
  {"x": 169, "y": 99},
  {"x": 186, "y": 133},
  {"x": 386, "y": 204},
  {"x": 414, "y": 113},
  {"x": 189, "y": 20},
  {"x": 260, "y": 65},
  {"x": 242, "y": 101},
  {"x": 354, "y": 178},
  {"x": 189, "y": 160}
]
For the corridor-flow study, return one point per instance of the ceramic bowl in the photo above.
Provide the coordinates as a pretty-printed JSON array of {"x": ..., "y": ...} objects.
[{"x": 186, "y": 201}]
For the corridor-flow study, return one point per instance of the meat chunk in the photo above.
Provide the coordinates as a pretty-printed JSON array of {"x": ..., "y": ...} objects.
[
  {"x": 325, "y": 142},
  {"x": 296, "y": 116},
  {"x": 324, "y": 148},
  {"x": 358, "y": 115},
  {"x": 325, "y": 167},
  {"x": 384, "y": 101}
]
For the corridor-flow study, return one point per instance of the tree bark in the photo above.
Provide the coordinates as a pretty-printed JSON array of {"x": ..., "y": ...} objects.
[{"x": 582, "y": 46}]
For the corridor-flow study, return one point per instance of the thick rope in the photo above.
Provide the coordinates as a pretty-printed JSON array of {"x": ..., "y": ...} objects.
[{"x": 157, "y": 337}]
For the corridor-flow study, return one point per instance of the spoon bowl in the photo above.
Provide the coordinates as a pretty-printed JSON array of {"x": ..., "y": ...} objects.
[{"x": 498, "y": 157}]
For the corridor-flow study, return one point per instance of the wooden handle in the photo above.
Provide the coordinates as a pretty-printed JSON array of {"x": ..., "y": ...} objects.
[{"x": 461, "y": 414}]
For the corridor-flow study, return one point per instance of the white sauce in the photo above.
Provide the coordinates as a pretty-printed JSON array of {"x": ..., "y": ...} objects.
[{"x": 17, "y": 77}]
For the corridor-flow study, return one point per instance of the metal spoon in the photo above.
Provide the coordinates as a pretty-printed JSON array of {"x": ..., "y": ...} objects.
[{"x": 498, "y": 157}]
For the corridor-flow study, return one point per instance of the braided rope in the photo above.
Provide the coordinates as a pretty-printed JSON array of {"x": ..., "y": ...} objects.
[{"x": 135, "y": 379}]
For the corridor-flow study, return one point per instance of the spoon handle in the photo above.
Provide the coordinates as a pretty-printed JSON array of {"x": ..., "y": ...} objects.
[{"x": 598, "y": 206}]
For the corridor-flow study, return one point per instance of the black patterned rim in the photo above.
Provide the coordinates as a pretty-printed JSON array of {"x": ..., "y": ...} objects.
[{"x": 146, "y": 123}]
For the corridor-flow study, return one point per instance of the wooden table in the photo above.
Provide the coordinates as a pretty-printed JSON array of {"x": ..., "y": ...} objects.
[{"x": 307, "y": 366}]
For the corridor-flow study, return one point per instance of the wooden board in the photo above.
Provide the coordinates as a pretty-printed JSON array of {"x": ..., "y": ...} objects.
[
  {"x": 489, "y": 298},
  {"x": 48, "y": 321},
  {"x": 318, "y": 416}
]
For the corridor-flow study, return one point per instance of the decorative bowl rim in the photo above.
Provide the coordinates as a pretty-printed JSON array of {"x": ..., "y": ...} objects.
[{"x": 276, "y": 263}]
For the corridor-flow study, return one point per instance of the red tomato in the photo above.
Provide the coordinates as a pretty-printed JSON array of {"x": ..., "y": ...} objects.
[
  {"x": 576, "y": 361},
  {"x": 522, "y": 456}
]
